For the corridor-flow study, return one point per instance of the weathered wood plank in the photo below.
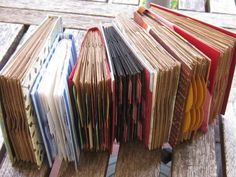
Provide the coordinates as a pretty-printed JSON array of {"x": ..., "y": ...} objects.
[
  {"x": 97, "y": 0},
  {"x": 222, "y": 20},
  {"x": 229, "y": 145},
  {"x": 23, "y": 169},
  {"x": 231, "y": 106},
  {"x": 78, "y": 21},
  {"x": 195, "y": 5},
  {"x": 218, "y": 148},
  {"x": 130, "y": 2},
  {"x": 91, "y": 164},
  {"x": 10, "y": 35},
  {"x": 35, "y": 17},
  {"x": 197, "y": 158},
  {"x": 228, "y": 132},
  {"x": 136, "y": 160},
  {"x": 226, "y": 6},
  {"x": 70, "y": 6}
]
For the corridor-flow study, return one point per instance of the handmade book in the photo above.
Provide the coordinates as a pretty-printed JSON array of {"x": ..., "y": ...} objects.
[
  {"x": 161, "y": 81},
  {"x": 216, "y": 43},
  {"x": 189, "y": 105},
  {"x": 90, "y": 85},
  {"x": 182, "y": 34},
  {"x": 127, "y": 89},
  {"x": 52, "y": 104},
  {"x": 18, "y": 122}
]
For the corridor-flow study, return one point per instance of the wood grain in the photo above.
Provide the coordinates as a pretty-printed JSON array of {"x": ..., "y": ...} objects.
[
  {"x": 73, "y": 18},
  {"x": 91, "y": 164},
  {"x": 35, "y": 17},
  {"x": 227, "y": 6},
  {"x": 195, "y": 5},
  {"x": 136, "y": 160},
  {"x": 222, "y": 20},
  {"x": 229, "y": 145},
  {"x": 21, "y": 169},
  {"x": 70, "y": 6},
  {"x": 197, "y": 158},
  {"x": 10, "y": 35},
  {"x": 130, "y": 2},
  {"x": 228, "y": 132}
]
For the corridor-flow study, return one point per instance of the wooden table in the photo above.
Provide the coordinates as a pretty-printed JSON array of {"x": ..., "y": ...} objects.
[{"x": 17, "y": 20}]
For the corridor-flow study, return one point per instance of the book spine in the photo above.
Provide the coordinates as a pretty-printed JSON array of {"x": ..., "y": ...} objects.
[{"x": 181, "y": 97}]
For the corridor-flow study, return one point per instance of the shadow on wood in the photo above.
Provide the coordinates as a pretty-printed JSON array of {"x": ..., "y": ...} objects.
[
  {"x": 228, "y": 130},
  {"x": 136, "y": 160},
  {"x": 91, "y": 164}
]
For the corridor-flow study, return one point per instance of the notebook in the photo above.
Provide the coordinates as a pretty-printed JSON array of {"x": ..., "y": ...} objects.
[
  {"x": 90, "y": 84},
  {"x": 190, "y": 97},
  {"x": 161, "y": 81},
  {"x": 18, "y": 121},
  {"x": 218, "y": 44},
  {"x": 128, "y": 87},
  {"x": 51, "y": 99}
]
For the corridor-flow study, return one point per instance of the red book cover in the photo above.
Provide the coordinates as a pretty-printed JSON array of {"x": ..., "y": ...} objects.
[
  {"x": 147, "y": 109},
  {"x": 233, "y": 61},
  {"x": 209, "y": 51},
  {"x": 176, "y": 126}
]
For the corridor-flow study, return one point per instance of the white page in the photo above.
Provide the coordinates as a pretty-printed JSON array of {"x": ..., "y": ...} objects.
[{"x": 46, "y": 90}]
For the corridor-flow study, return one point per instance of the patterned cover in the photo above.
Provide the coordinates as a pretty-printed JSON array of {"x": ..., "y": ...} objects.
[
  {"x": 62, "y": 93},
  {"x": 26, "y": 85}
]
